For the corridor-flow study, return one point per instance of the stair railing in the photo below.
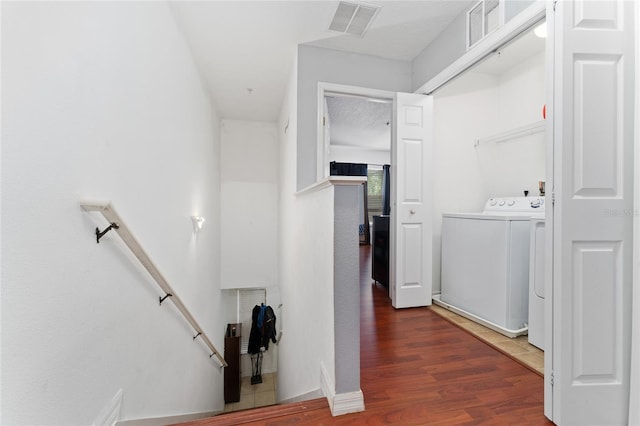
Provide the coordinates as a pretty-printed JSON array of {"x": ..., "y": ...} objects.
[{"x": 118, "y": 225}]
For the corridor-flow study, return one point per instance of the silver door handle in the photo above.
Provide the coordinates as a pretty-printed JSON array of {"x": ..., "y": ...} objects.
[{"x": 412, "y": 211}]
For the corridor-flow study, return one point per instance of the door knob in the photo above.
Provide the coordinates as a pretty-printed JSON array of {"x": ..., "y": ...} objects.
[{"x": 412, "y": 211}]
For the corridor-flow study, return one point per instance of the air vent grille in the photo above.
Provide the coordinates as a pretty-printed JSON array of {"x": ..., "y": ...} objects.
[{"x": 353, "y": 18}]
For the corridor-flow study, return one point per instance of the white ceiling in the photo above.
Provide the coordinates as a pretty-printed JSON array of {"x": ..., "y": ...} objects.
[
  {"x": 358, "y": 122},
  {"x": 241, "y": 45}
]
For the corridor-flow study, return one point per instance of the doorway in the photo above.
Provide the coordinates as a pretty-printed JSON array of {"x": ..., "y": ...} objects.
[{"x": 410, "y": 228}]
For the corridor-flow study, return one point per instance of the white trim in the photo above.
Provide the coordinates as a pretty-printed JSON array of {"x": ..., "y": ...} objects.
[
  {"x": 501, "y": 15},
  {"x": 327, "y": 386},
  {"x": 468, "y": 24},
  {"x": 346, "y": 403},
  {"x": 343, "y": 403},
  {"x": 332, "y": 181},
  {"x": 304, "y": 397},
  {"x": 493, "y": 326},
  {"x": 517, "y": 25},
  {"x": 160, "y": 421},
  {"x": 634, "y": 370},
  {"x": 322, "y": 165},
  {"x": 111, "y": 412},
  {"x": 549, "y": 214}
]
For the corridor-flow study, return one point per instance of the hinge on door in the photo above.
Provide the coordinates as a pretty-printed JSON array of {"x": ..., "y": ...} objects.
[
  {"x": 551, "y": 379},
  {"x": 554, "y": 4},
  {"x": 324, "y": 121},
  {"x": 553, "y": 198}
]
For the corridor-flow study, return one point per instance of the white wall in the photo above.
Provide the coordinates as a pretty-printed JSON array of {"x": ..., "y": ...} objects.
[
  {"x": 306, "y": 270},
  {"x": 478, "y": 105},
  {"x": 317, "y": 64},
  {"x": 512, "y": 167},
  {"x": 249, "y": 207},
  {"x": 102, "y": 101},
  {"x": 448, "y": 46}
]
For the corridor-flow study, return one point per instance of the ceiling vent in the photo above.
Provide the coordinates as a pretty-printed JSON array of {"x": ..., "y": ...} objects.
[{"x": 353, "y": 18}]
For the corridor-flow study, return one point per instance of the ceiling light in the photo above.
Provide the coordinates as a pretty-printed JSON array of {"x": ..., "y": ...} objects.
[
  {"x": 353, "y": 18},
  {"x": 541, "y": 30}
]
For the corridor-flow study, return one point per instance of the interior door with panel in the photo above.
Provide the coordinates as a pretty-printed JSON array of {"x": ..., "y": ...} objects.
[
  {"x": 593, "y": 115},
  {"x": 412, "y": 197}
]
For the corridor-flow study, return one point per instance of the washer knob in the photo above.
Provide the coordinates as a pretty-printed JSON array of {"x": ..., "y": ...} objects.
[
  {"x": 511, "y": 202},
  {"x": 501, "y": 203}
]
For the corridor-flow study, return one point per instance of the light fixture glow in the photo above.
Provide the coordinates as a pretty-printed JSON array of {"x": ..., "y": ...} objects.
[
  {"x": 541, "y": 30},
  {"x": 198, "y": 221}
]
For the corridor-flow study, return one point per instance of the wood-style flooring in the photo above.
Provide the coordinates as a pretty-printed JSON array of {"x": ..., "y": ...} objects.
[{"x": 419, "y": 369}]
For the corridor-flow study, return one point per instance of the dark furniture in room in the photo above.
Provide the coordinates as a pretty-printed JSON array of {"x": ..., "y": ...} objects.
[
  {"x": 347, "y": 169},
  {"x": 380, "y": 258},
  {"x": 232, "y": 356}
]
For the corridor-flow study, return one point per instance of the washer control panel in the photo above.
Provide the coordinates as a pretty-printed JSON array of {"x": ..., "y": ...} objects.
[{"x": 515, "y": 204}]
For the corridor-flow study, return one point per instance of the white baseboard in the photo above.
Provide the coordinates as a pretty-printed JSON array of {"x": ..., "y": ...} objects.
[
  {"x": 342, "y": 403},
  {"x": 161, "y": 421},
  {"x": 349, "y": 402},
  {"x": 110, "y": 414},
  {"x": 327, "y": 386},
  {"x": 304, "y": 397}
]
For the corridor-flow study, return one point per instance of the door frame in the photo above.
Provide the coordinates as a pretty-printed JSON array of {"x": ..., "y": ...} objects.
[
  {"x": 322, "y": 172},
  {"x": 634, "y": 391}
]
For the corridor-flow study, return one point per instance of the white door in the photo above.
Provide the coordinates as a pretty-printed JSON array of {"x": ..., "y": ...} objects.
[
  {"x": 411, "y": 192},
  {"x": 593, "y": 114}
]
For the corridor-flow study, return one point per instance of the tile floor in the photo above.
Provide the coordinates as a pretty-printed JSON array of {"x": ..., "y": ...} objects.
[
  {"x": 254, "y": 396},
  {"x": 518, "y": 348}
]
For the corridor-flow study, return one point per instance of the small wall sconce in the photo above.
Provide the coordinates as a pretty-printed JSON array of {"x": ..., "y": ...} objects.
[
  {"x": 541, "y": 30},
  {"x": 198, "y": 221}
]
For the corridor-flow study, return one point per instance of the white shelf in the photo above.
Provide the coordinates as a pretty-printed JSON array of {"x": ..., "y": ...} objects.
[{"x": 518, "y": 132}]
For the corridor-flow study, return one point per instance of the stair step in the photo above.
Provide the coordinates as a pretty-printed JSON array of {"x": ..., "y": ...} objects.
[{"x": 260, "y": 414}]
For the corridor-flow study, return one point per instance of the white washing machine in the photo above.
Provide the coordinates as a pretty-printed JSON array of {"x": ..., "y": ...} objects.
[
  {"x": 536, "y": 283},
  {"x": 485, "y": 263}
]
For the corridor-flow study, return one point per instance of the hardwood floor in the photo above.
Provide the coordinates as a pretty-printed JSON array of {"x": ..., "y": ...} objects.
[{"x": 419, "y": 369}]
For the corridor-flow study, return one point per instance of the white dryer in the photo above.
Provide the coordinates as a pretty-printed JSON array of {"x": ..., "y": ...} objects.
[{"x": 485, "y": 263}]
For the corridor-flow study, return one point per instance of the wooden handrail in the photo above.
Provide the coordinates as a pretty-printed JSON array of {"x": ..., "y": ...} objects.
[{"x": 121, "y": 229}]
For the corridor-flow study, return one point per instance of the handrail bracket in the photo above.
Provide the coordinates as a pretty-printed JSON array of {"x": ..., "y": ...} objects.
[
  {"x": 162, "y": 299},
  {"x": 100, "y": 234}
]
